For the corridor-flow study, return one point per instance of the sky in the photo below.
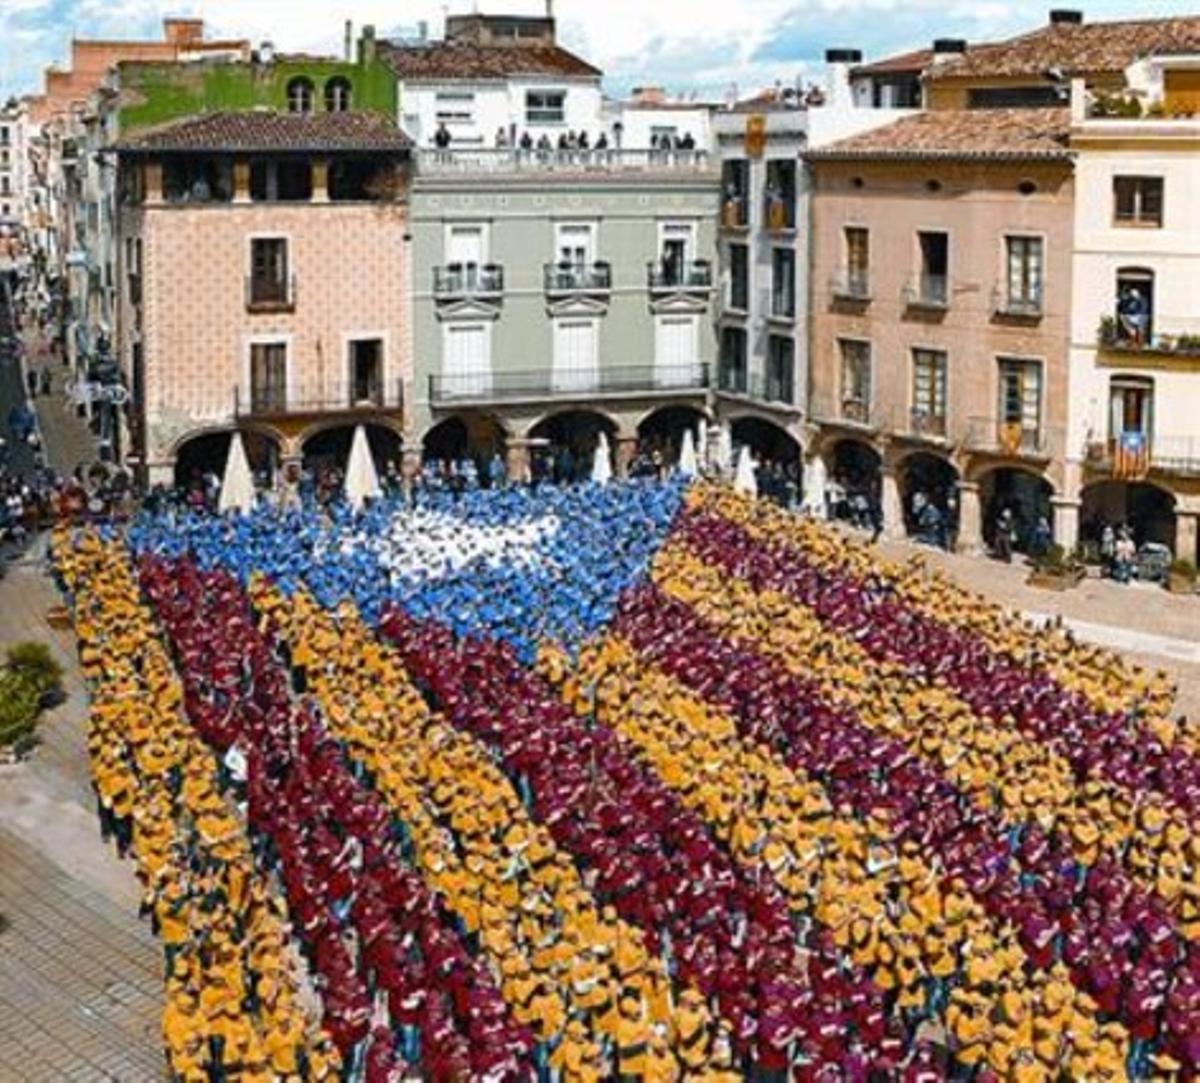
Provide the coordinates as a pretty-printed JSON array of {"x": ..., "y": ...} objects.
[{"x": 703, "y": 46}]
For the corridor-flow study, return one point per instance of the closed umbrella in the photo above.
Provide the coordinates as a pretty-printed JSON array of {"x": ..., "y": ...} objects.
[
  {"x": 724, "y": 450},
  {"x": 702, "y": 455},
  {"x": 237, "y": 483},
  {"x": 362, "y": 481},
  {"x": 687, "y": 456},
  {"x": 745, "y": 481},
  {"x": 602, "y": 464}
]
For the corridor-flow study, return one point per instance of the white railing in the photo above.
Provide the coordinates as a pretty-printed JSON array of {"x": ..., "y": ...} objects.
[{"x": 473, "y": 161}]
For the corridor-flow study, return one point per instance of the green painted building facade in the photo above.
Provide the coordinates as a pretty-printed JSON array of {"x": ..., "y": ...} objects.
[{"x": 551, "y": 304}]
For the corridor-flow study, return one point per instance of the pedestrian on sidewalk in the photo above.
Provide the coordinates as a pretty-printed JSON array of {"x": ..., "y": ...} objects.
[
  {"x": 44, "y": 381},
  {"x": 31, "y": 382}
]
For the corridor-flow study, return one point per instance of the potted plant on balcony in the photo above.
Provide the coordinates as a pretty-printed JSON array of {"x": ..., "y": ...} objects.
[
  {"x": 1181, "y": 577},
  {"x": 1056, "y": 569}
]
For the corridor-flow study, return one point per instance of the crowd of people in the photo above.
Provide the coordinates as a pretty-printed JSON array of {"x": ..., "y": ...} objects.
[{"x": 652, "y": 779}]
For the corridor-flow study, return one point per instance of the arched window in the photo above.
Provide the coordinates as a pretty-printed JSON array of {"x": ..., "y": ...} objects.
[
  {"x": 337, "y": 95},
  {"x": 300, "y": 95}
]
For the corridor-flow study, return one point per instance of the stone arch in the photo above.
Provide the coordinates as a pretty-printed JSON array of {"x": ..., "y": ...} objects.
[
  {"x": 471, "y": 434},
  {"x": 327, "y": 446},
  {"x": 662, "y": 429},
  {"x": 392, "y": 425},
  {"x": 928, "y": 485},
  {"x": 1147, "y": 506},
  {"x": 207, "y": 450},
  {"x": 1024, "y": 491},
  {"x": 563, "y": 444}
]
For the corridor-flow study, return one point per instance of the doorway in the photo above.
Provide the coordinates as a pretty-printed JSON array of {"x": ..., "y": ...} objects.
[{"x": 366, "y": 371}]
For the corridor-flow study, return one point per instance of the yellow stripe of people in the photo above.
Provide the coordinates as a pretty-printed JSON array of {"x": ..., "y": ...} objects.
[
  {"x": 1004, "y": 772},
  {"x": 885, "y": 908},
  {"x": 223, "y": 930},
  {"x": 1101, "y": 676},
  {"x": 559, "y": 955}
]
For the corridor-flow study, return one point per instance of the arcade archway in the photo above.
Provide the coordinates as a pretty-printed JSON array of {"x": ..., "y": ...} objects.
[
  {"x": 564, "y": 445},
  {"x": 1146, "y": 509},
  {"x": 207, "y": 453},
  {"x": 1027, "y": 496}
]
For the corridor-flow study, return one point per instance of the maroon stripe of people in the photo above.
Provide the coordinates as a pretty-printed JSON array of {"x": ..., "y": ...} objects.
[
  {"x": 1119, "y": 943},
  {"x": 367, "y": 921},
  {"x": 994, "y": 685},
  {"x": 730, "y": 934}
]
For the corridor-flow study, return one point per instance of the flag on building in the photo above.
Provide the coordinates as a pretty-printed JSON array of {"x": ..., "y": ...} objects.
[{"x": 1132, "y": 457}]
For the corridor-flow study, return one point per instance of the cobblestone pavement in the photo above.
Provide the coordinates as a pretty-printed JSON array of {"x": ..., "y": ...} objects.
[{"x": 80, "y": 975}]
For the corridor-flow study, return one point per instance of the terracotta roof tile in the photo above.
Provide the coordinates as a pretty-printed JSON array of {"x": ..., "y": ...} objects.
[
  {"x": 1076, "y": 49},
  {"x": 270, "y": 131},
  {"x": 466, "y": 60},
  {"x": 916, "y": 62},
  {"x": 1000, "y": 134}
]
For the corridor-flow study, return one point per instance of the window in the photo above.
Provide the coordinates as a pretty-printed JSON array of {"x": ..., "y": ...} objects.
[
  {"x": 732, "y": 375},
  {"x": 545, "y": 106},
  {"x": 268, "y": 377},
  {"x": 1024, "y": 274},
  {"x": 783, "y": 283},
  {"x": 1138, "y": 201},
  {"x": 739, "y": 277},
  {"x": 133, "y": 270},
  {"x": 779, "y": 206},
  {"x": 269, "y": 271},
  {"x": 781, "y": 364},
  {"x": 933, "y": 282},
  {"x": 1020, "y": 403},
  {"x": 1017, "y": 97},
  {"x": 575, "y": 244},
  {"x": 676, "y": 356},
  {"x": 856, "y": 380},
  {"x": 280, "y": 180},
  {"x": 366, "y": 371},
  {"x": 5, "y": 186},
  {"x": 4, "y": 136},
  {"x": 675, "y": 243},
  {"x": 899, "y": 92},
  {"x": 1131, "y": 406},
  {"x": 300, "y": 95},
  {"x": 1134, "y": 319},
  {"x": 858, "y": 261},
  {"x": 455, "y": 107},
  {"x": 735, "y": 190},
  {"x": 929, "y": 392},
  {"x": 337, "y": 95},
  {"x": 659, "y": 132},
  {"x": 576, "y": 362},
  {"x": 466, "y": 360}
]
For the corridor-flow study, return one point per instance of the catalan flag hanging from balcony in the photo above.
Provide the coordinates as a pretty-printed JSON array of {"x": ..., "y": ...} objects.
[{"x": 1131, "y": 458}]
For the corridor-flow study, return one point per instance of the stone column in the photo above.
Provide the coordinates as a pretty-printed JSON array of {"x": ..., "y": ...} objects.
[
  {"x": 320, "y": 180},
  {"x": 970, "y": 519},
  {"x": 410, "y": 459},
  {"x": 1185, "y": 535},
  {"x": 625, "y": 451},
  {"x": 1066, "y": 521},
  {"x": 516, "y": 461},
  {"x": 241, "y": 180},
  {"x": 893, "y": 507},
  {"x": 152, "y": 177}
]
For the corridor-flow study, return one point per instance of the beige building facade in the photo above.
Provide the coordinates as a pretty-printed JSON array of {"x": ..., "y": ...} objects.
[
  {"x": 263, "y": 290},
  {"x": 940, "y": 307}
]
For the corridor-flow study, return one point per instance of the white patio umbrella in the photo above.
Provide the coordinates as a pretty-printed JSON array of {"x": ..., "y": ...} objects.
[
  {"x": 687, "y": 456},
  {"x": 702, "y": 449},
  {"x": 745, "y": 481},
  {"x": 815, "y": 477},
  {"x": 602, "y": 464},
  {"x": 362, "y": 480},
  {"x": 237, "y": 483}
]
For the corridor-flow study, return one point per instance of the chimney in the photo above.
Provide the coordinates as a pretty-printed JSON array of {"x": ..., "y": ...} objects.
[
  {"x": 838, "y": 63},
  {"x": 366, "y": 45},
  {"x": 266, "y": 53},
  {"x": 648, "y": 95},
  {"x": 178, "y": 31},
  {"x": 1066, "y": 17},
  {"x": 348, "y": 42},
  {"x": 946, "y": 49}
]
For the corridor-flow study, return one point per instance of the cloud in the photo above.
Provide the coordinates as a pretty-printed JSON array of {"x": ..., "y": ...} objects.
[{"x": 703, "y": 44}]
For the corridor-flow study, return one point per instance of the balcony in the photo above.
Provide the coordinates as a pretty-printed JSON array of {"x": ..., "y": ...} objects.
[
  {"x": 275, "y": 404},
  {"x": 460, "y": 282},
  {"x": 1009, "y": 439},
  {"x": 1015, "y": 306},
  {"x": 471, "y": 162},
  {"x": 848, "y": 412},
  {"x": 929, "y": 292},
  {"x": 927, "y": 425},
  {"x": 568, "y": 279},
  {"x": 779, "y": 215},
  {"x": 852, "y": 286},
  {"x": 756, "y": 386},
  {"x": 691, "y": 276},
  {"x": 1174, "y": 455},
  {"x": 1113, "y": 338},
  {"x": 270, "y": 294},
  {"x": 735, "y": 213},
  {"x": 532, "y": 385}
]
